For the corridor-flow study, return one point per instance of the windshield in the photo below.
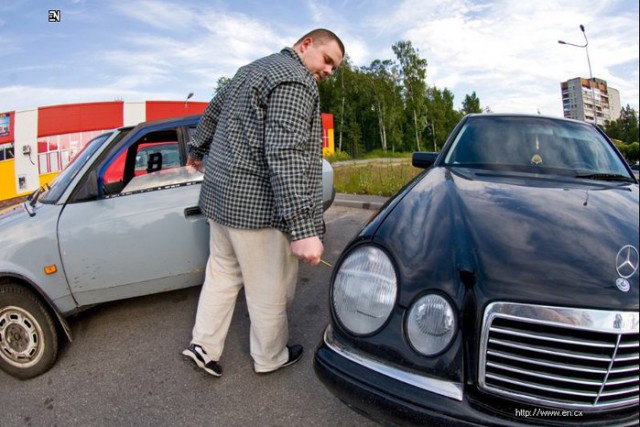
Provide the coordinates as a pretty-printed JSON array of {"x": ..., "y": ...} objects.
[
  {"x": 52, "y": 193},
  {"x": 535, "y": 144}
]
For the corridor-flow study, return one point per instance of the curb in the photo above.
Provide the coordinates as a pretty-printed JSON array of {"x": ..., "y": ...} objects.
[{"x": 359, "y": 201}]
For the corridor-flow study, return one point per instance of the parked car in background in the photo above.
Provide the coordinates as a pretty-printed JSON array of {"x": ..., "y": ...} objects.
[
  {"x": 636, "y": 170},
  {"x": 500, "y": 287},
  {"x": 120, "y": 221}
]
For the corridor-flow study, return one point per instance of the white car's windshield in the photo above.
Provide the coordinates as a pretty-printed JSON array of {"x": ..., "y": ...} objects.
[{"x": 53, "y": 192}]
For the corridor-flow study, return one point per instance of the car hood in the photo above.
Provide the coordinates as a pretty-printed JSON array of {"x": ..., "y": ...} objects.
[
  {"x": 12, "y": 214},
  {"x": 519, "y": 238}
]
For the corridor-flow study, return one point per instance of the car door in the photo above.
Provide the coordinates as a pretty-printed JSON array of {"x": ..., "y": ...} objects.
[{"x": 143, "y": 233}]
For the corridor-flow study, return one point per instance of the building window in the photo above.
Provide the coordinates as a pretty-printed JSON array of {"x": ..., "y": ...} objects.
[
  {"x": 6, "y": 151},
  {"x": 56, "y": 151}
]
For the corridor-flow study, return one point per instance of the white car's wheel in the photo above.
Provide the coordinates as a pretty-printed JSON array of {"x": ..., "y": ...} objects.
[{"x": 28, "y": 335}]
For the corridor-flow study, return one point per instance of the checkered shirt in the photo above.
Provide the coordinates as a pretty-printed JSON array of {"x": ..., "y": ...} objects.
[{"x": 263, "y": 136}]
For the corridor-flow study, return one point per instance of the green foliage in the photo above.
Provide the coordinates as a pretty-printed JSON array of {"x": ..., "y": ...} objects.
[
  {"x": 343, "y": 95},
  {"x": 221, "y": 84},
  {"x": 471, "y": 104},
  {"x": 379, "y": 153},
  {"x": 386, "y": 102},
  {"x": 631, "y": 152},
  {"x": 382, "y": 179},
  {"x": 442, "y": 116},
  {"x": 625, "y": 128},
  {"x": 388, "y": 106},
  {"x": 413, "y": 72}
]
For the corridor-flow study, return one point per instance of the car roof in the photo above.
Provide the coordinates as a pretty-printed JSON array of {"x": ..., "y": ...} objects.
[
  {"x": 524, "y": 115},
  {"x": 170, "y": 120}
]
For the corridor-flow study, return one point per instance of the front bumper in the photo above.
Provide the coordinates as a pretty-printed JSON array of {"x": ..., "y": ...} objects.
[{"x": 394, "y": 396}]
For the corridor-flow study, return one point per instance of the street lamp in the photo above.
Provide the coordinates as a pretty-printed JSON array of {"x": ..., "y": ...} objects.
[
  {"x": 188, "y": 98},
  {"x": 591, "y": 81}
]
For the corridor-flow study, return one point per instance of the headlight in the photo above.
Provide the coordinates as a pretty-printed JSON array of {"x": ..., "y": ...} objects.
[
  {"x": 364, "y": 290},
  {"x": 431, "y": 324}
]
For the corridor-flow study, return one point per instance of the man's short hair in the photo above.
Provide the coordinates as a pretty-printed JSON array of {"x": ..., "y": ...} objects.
[{"x": 322, "y": 36}]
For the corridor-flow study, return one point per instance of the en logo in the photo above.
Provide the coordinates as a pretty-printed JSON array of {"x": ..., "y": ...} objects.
[{"x": 55, "y": 15}]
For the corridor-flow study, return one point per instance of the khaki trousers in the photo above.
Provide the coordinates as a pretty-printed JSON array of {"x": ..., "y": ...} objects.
[{"x": 262, "y": 262}]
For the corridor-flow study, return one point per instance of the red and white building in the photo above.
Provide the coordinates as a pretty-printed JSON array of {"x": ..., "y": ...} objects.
[{"x": 36, "y": 144}]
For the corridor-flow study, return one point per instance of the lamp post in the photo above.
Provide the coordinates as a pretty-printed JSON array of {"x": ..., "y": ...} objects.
[
  {"x": 188, "y": 98},
  {"x": 591, "y": 81}
]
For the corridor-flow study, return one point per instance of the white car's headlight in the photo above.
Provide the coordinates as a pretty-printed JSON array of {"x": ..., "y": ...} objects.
[
  {"x": 431, "y": 324},
  {"x": 364, "y": 290}
]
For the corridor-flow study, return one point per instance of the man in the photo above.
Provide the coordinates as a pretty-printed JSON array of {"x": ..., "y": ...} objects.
[{"x": 262, "y": 195}]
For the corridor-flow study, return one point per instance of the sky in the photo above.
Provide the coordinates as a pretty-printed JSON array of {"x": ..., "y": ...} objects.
[{"x": 506, "y": 51}]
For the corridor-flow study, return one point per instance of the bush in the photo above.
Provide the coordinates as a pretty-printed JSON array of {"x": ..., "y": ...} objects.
[
  {"x": 338, "y": 156},
  {"x": 629, "y": 151}
]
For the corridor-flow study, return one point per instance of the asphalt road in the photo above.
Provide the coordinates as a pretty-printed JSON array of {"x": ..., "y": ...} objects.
[{"x": 124, "y": 367}]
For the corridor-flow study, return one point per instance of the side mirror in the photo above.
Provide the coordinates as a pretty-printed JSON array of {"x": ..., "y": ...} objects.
[{"x": 423, "y": 160}]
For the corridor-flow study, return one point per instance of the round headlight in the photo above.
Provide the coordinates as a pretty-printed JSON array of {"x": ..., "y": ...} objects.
[
  {"x": 364, "y": 290},
  {"x": 431, "y": 324}
]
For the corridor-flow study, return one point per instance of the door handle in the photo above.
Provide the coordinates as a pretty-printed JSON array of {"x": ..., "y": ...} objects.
[{"x": 192, "y": 211}]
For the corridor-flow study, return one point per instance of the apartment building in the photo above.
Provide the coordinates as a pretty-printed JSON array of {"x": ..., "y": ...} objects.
[{"x": 590, "y": 100}]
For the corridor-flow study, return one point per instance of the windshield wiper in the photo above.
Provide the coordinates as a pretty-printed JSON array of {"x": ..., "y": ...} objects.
[{"x": 605, "y": 177}]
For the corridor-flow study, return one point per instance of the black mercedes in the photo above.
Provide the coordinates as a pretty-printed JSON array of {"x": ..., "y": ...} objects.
[{"x": 499, "y": 287}]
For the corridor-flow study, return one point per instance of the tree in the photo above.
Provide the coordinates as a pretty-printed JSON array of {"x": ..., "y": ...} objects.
[
  {"x": 389, "y": 106},
  {"x": 633, "y": 152},
  {"x": 629, "y": 124},
  {"x": 342, "y": 95},
  {"x": 221, "y": 83},
  {"x": 386, "y": 101},
  {"x": 413, "y": 71},
  {"x": 442, "y": 116},
  {"x": 625, "y": 128},
  {"x": 471, "y": 104}
]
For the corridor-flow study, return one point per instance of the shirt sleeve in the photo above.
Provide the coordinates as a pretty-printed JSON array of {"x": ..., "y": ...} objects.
[
  {"x": 290, "y": 152},
  {"x": 201, "y": 141}
]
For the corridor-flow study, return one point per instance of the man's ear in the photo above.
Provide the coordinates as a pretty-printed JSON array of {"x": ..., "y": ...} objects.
[{"x": 305, "y": 43}]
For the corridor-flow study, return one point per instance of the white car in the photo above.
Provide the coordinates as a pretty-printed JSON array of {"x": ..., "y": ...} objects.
[{"x": 122, "y": 220}]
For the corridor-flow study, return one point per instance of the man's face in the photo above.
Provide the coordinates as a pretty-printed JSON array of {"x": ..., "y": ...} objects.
[{"x": 320, "y": 59}]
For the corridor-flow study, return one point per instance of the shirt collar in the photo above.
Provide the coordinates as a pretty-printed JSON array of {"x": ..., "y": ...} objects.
[{"x": 293, "y": 54}]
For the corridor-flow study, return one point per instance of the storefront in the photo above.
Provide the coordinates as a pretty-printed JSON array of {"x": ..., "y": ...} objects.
[{"x": 35, "y": 145}]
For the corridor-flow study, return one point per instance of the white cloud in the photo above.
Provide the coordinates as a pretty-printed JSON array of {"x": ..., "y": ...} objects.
[
  {"x": 159, "y": 14},
  {"x": 508, "y": 52},
  {"x": 505, "y": 50}
]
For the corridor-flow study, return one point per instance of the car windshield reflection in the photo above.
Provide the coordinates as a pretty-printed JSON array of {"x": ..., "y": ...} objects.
[{"x": 537, "y": 145}]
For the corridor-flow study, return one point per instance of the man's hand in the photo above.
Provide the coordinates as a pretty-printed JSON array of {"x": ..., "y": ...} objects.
[
  {"x": 308, "y": 250},
  {"x": 194, "y": 165}
]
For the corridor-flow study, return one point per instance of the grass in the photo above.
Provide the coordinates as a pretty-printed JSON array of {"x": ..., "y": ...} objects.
[
  {"x": 376, "y": 154},
  {"x": 382, "y": 178}
]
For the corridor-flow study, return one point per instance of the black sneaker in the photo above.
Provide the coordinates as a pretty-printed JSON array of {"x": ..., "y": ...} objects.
[
  {"x": 196, "y": 354},
  {"x": 295, "y": 354}
]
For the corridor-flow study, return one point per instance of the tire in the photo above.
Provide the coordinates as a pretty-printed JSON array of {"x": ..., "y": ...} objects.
[{"x": 28, "y": 334}]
